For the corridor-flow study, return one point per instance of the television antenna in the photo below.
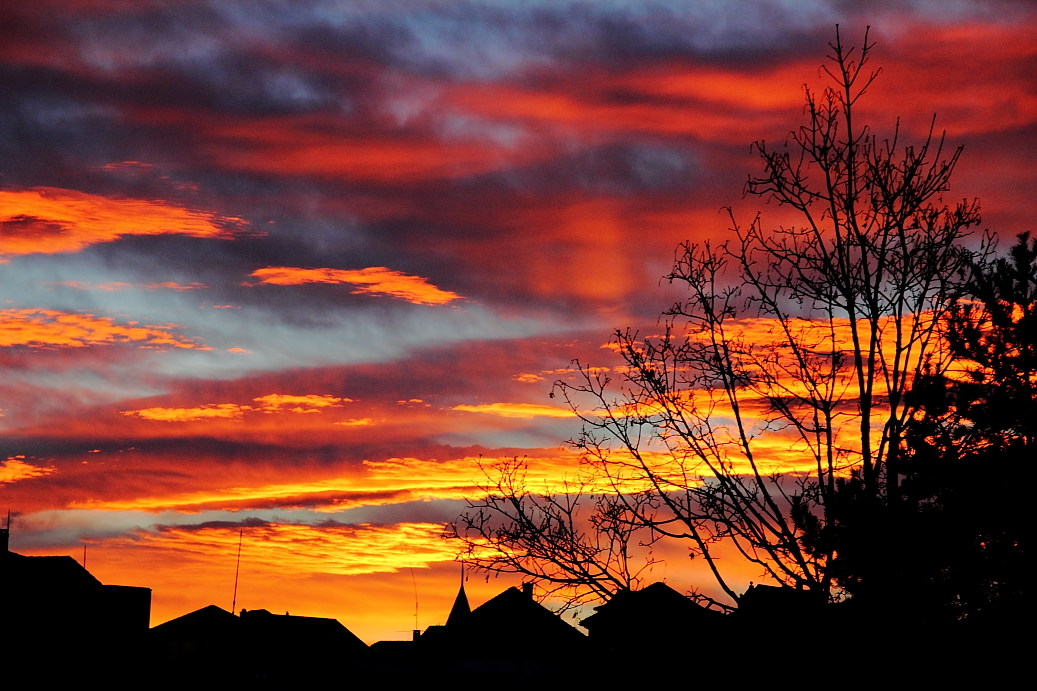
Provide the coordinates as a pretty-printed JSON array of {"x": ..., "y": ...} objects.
[{"x": 237, "y": 567}]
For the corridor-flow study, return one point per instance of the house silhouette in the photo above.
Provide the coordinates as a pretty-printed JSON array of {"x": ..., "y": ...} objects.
[
  {"x": 655, "y": 617},
  {"x": 510, "y": 636},
  {"x": 54, "y": 609},
  {"x": 770, "y": 601},
  {"x": 255, "y": 646},
  {"x": 58, "y": 596}
]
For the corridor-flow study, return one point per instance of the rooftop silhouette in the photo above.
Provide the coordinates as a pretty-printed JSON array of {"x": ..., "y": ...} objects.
[
  {"x": 511, "y": 638},
  {"x": 54, "y": 608}
]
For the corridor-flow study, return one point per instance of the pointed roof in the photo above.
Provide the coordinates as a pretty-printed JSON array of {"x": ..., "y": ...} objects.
[
  {"x": 461, "y": 610},
  {"x": 210, "y": 622},
  {"x": 294, "y": 632},
  {"x": 514, "y": 621},
  {"x": 20, "y": 572},
  {"x": 510, "y": 626},
  {"x": 652, "y": 616}
]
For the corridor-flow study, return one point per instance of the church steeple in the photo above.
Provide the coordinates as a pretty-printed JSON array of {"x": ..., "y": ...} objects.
[{"x": 461, "y": 609}]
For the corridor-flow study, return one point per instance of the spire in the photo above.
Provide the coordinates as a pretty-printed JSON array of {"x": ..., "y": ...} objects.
[{"x": 461, "y": 609}]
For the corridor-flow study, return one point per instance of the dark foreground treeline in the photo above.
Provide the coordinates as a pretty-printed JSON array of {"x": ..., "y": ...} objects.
[{"x": 642, "y": 639}]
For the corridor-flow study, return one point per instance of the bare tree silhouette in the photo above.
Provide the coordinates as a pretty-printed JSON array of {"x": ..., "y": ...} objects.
[
  {"x": 783, "y": 373},
  {"x": 577, "y": 544}
]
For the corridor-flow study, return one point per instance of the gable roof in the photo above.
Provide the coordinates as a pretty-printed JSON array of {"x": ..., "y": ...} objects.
[
  {"x": 301, "y": 631},
  {"x": 40, "y": 573},
  {"x": 260, "y": 627},
  {"x": 515, "y": 622},
  {"x": 209, "y": 622},
  {"x": 655, "y": 611}
]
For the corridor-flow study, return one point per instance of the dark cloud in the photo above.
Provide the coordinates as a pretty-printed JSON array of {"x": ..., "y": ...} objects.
[
  {"x": 207, "y": 525},
  {"x": 179, "y": 86}
]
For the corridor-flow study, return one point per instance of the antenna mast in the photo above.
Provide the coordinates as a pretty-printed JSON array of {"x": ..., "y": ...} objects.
[
  {"x": 415, "y": 582},
  {"x": 237, "y": 567}
]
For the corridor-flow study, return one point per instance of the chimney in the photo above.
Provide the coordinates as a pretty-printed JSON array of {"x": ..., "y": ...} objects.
[
  {"x": 415, "y": 634},
  {"x": 5, "y": 535},
  {"x": 527, "y": 590}
]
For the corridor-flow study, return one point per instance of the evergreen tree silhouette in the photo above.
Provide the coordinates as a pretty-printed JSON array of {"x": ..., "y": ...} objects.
[{"x": 951, "y": 546}]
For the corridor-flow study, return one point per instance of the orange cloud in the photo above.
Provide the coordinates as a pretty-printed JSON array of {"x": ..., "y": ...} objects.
[
  {"x": 761, "y": 345},
  {"x": 308, "y": 403},
  {"x": 49, "y": 221},
  {"x": 361, "y": 422},
  {"x": 127, "y": 165},
  {"x": 173, "y": 285},
  {"x": 464, "y": 473},
  {"x": 271, "y": 403},
  {"x": 51, "y": 328},
  {"x": 205, "y": 412},
  {"x": 702, "y": 101},
  {"x": 392, "y": 481},
  {"x": 290, "y": 549},
  {"x": 977, "y": 78},
  {"x": 376, "y": 280},
  {"x": 528, "y": 378},
  {"x": 972, "y": 75},
  {"x": 15, "y": 469},
  {"x": 320, "y": 145},
  {"x": 111, "y": 287},
  {"x": 594, "y": 260},
  {"x": 517, "y": 410}
]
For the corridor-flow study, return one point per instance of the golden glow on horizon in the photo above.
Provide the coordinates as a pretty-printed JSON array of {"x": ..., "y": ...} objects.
[
  {"x": 375, "y": 280},
  {"x": 51, "y": 328},
  {"x": 49, "y": 221},
  {"x": 285, "y": 548},
  {"x": 376, "y": 605}
]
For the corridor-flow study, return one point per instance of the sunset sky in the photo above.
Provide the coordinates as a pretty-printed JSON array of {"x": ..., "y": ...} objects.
[{"x": 294, "y": 267}]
